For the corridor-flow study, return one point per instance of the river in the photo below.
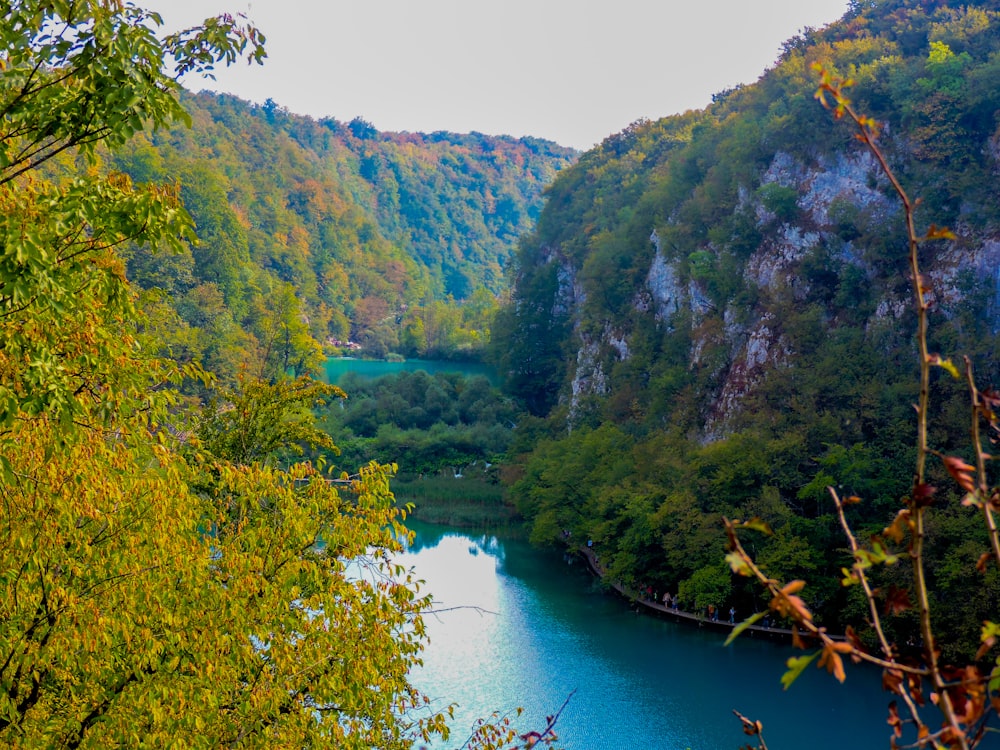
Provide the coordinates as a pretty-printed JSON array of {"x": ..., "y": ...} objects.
[{"x": 543, "y": 629}]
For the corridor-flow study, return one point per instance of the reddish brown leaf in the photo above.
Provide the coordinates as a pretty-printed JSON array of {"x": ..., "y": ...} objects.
[
  {"x": 787, "y": 604},
  {"x": 951, "y": 737},
  {"x": 531, "y": 738},
  {"x": 983, "y": 561},
  {"x": 750, "y": 727},
  {"x": 896, "y": 600},
  {"x": 793, "y": 587},
  {"x": 973, "y": 693},
  {"x": 995, "y": 500},
  {"x": 833, "y": 663},
  {"x": 988, "y": 407},
  {"x": 799, "y": 609},
  {"x": 892, "y": 682},
  {"x": 960, "y": 471},
  {"x": 916, "y": 688},
  {"x": 985, "y": 647},
  {"x": 797, "y": 641},
  {"x": 894, "y": 721},
  {"x": 856, "y": 644},
  {"x": 731, "y": 534},
  {"x": 923, "y": 495}
]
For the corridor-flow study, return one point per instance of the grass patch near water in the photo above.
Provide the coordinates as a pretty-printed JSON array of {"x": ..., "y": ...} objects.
[{"x": 464, "y": 502}]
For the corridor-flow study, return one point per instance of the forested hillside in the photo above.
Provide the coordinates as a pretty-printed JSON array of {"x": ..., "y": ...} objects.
[
  {"x": 713, "y": 316},
  {"x": 312, "y": 233},
  {"x": 167, "y": 577}
]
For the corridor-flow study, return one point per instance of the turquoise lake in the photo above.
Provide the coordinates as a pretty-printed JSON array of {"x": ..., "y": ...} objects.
[
  {"x": 531, "y": 629},
  {"x": 372, "y": 368}
]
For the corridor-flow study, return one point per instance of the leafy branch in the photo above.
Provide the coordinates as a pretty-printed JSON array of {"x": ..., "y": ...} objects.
[
  {"x": 962, "y": 694},
  {"x": 497, "y": 733},
  {"x": 754, "y": 729}
]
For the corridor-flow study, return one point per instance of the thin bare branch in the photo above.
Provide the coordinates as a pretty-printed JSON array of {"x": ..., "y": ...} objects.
[
  {"x": 982, "y": 491},
  {"x": 872, "y": 605}
]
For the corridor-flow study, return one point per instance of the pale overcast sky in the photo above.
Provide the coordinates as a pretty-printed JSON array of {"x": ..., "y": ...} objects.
[{"x": 572, "y": 71}]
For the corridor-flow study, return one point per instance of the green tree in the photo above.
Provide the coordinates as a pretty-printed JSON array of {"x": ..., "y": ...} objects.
[
  {"x": 126, "y": 625},
  {"x": 250, "y": 424},
  {"x": 962, "y": 685},
  {"x": 280, "y": 326},
  {"x": 708, "y": 587},
  {"x": 262, "y": 610},
  {"x": 78, "y": 75}
]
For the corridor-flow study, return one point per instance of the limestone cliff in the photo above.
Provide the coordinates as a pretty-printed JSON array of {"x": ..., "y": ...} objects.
[{"x": 728, "y": 243}]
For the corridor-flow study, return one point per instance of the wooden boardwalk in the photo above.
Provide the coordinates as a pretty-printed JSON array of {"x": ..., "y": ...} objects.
[{"x": 679, "y": 615}]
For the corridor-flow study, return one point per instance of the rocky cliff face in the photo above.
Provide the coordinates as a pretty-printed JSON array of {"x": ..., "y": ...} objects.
[
  {"x": 715, "y": 314},
  {"x": 703, "y": 255},
  {"x": 751, "y": 336}
]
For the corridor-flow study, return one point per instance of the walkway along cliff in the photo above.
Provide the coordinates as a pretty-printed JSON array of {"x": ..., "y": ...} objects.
[{"x": 678, "y": 615}]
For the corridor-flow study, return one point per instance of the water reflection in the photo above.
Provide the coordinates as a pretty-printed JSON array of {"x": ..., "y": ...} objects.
[{"x": 528, "y": 630}]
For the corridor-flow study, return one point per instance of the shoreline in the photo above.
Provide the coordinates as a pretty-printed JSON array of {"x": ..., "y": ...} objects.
[{"x": 679, "y": 615}]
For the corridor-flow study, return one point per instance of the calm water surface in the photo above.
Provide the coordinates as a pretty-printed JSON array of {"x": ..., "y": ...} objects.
[
  {"x": 337, "y": 367},
  {"x": 543, "y": 630}
]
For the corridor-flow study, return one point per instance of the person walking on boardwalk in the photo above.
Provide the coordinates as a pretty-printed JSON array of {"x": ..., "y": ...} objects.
[{"x": 732, "y": 615}]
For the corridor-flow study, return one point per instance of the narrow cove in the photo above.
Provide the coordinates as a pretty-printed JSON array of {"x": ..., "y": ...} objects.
[{"x": 530, "y": 629}]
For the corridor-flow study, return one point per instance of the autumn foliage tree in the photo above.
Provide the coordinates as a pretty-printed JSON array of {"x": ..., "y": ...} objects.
[
  {"x": 964, "y": 695},
  {"x": 141, "y": 603},
  {"x": 168, "y": 576}
]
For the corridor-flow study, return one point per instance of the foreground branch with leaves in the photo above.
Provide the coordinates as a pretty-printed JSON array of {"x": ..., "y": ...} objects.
[
  {"x": 966, "y": 696},
  {"x": 160, "y": 583},
  {"x": 168, "y": 576}
]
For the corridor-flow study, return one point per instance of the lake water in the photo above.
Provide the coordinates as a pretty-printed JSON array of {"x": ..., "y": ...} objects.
[
  {"x": 543, "y": 630},
  {"x": 337, "y": 367}
]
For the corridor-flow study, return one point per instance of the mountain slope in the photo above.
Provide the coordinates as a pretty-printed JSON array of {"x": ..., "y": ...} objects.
[
  {"x": 717, "y": 304},
  {"x": 348, "y": 233}
]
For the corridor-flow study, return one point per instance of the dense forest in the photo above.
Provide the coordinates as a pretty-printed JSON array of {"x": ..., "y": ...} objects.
[
  {"x": 713, "y": 317},
  {"x": 425, "y": 423},
  {"x": 321, "y": 237},
  {"x": 706, "y": 316},
  {"x": 173, "y": 570}
]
